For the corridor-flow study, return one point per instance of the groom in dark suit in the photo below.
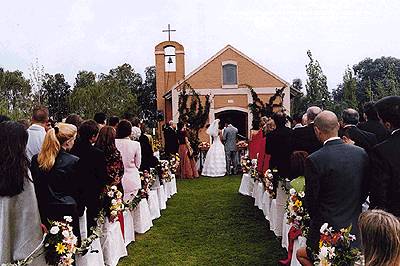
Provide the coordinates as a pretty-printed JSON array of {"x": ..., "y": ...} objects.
[
  {"x": 334, "y": 184},
  {"x": 231, "y": 156}
]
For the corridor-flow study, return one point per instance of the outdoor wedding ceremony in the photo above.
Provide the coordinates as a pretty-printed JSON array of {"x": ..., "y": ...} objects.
[{"x": 200, "y": 133}]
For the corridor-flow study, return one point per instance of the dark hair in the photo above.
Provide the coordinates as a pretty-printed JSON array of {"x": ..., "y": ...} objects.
[
  {"x": 4, "y": 118},
  {"x": 74, "y": 119},
  {"x": 180, "y": 125},
  {"x": 113, "y": 121},
  {"x": 40, "y": 114},
  {"x": 135, "y": 121},
  {"x": 370, "y": 111},
  {"x": 100, "y": 118},
  {"x": 106, "y": 139},
  {"x": 350, "y": 116},
  {"x": 13, "y": 160},
  {"x": 124, "y": 129},
  {"x": 279, "y": 119},
  {"x": 88, "y": 129},
  {"x": 298, "y": 118},
  {"x": 24, "y": 122},
  {"x": 389, "y": 110}
]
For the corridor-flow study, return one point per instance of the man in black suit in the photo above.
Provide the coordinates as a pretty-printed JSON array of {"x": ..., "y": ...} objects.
[
  {"x": 148, "y": 158},
  {"x": 304, "y": 138},
  {"x": 92, "y": 170},
  {"x": 351, "y": 133},
  {"x": 170, "y": 139},
  {"x": 385, "y": 159},
  {"x": 372, "y": 124},
  {"x": 334, "y": 180}
]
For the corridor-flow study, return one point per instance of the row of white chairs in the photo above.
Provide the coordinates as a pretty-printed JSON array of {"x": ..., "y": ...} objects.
[
  {"x": 112, "y": 245},
  {"x": 273, "y": 210}
]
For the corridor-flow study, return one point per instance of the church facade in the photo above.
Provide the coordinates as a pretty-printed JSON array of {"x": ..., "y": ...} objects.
[{"x": 223, "y": 77}]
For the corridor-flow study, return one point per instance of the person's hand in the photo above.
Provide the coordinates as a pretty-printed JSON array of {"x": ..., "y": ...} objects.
[{"x": 347, "y": 140}]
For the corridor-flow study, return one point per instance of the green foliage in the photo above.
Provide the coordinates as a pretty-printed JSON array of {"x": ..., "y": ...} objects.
[
  {"x": 350, "y": 88},
  {"x": 147, "y": 97},
  {"x": 298, "y": 103},
  {"x": 114, "y": 93},
  {"x": 316, "y": 85},
  {"x": 196, "y": 114},
  {"x": 259, "y": 109},
  {"x": 55, "y": 95},
  {"x": 207, "y": 223},
  {"x": 15, "y": 95}
]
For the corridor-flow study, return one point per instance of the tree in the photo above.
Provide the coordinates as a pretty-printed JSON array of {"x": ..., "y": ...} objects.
[
  {"x": 125, "y": 76},
  {"x": 36, "y": 77},
  {"x": 56, "y": 93},
  {"x": 147, "y": 97},
  {"x": 15, "y": 94},
  {"x": 350, "y": 89},
  {"x": 298, "y": 102},
  {"x": 85, "y": 79},
  {"x": 317, "y": 92}
]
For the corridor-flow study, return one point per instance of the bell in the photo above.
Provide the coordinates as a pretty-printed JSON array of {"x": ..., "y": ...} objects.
[{"x": 170, "y": 60}]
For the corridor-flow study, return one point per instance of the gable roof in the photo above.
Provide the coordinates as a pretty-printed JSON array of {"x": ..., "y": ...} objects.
[{"x": 228, "y": 47}]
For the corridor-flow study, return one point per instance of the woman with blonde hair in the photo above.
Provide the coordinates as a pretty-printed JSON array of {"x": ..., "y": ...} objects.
[
  {"x": 380, "y": 238},
  {"x": 54, "y": 173}
]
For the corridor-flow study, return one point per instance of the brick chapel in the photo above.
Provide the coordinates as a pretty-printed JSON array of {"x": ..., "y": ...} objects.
[{"x": 220, "y": 77}]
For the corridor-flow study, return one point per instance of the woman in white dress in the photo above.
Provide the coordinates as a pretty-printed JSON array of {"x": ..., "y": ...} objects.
[{"x": 215, "y": 163}]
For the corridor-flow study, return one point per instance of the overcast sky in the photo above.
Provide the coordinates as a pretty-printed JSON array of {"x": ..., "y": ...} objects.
[{"x": 67, "y": 36}]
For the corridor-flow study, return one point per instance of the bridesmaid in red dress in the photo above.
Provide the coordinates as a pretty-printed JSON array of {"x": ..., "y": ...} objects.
[
  {"x": 257, "y": 144},
  {"x": 187, "y": 167}
]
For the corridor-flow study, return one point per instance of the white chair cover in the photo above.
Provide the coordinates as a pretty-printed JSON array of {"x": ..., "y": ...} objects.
[
  {"x": 129, "y": 229},
  {"x": 246, "y": 186},
  {"x": 95, "y": 254},
  {"x": 141, "y": 217},
  {"x": 154, "y": 205},
  {"x": 173, "y": 184},
  {"x": 168, "y": 190},
  {"x": 162, "y": 198},
  {"x": 298, "y": 243},
  {"x": 255, "y": 187},
  {"x": 285, "y": 231},
  {"x": 281, "y": 198},
  {"x": 272, "y": 218},
  {"x": 260, "y": 195},
  {"x": 256, "y": 193},
  {"x": 266, "y": 205},
  {"x": 112, "y": 243}
]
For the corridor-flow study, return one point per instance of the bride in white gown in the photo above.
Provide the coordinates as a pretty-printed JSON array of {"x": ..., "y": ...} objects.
[{"x": 215, "y": 163}]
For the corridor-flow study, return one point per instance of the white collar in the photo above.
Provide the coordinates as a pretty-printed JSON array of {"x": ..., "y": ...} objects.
[
  {"x": 330, "y": 139},
  {"x": 349, "y": 125},
  {"x": 394, "y": 131}
]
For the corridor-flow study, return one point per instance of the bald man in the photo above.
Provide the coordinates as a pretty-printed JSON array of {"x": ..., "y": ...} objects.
[
  {"x": 335, "y": 176},
  {"x": 303, "y": 138}
]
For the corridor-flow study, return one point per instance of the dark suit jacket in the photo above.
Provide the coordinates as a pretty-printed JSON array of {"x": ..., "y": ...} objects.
[
  {"x": 171, "y": 141},
  {"x": 334, "y": 178},
  {"x": 385, "y": 175},
  {"x": 93, "y": 176},
  {"x": 278, "y": 145},
  {"x": 361, "y": 138},
  {"x": 304, "y": 139},
  {"x": 375, "y": 127}
]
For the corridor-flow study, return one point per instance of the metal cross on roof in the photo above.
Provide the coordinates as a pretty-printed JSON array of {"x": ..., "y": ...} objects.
[{"x": 169, "y": 32}]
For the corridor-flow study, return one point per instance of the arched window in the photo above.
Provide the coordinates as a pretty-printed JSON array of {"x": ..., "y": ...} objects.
[{"x": 229, "y": 74}]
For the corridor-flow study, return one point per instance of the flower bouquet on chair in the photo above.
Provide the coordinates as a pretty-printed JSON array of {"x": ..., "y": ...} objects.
[
  {"x": 114, "y": 204},
  {"x": 335, "y": 247},
  {"x": 269, "y": 184},
  {"x": 60, "y": 243}
]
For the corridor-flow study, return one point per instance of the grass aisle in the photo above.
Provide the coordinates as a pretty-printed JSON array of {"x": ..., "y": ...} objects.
[{"x": 207, "y": 223}]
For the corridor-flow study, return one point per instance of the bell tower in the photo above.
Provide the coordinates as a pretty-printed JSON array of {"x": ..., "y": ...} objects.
[{"x": 170, "y": 68}]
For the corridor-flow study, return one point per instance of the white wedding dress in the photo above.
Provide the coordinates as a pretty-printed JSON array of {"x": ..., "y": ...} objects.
[{"x": 215, "y": 163}]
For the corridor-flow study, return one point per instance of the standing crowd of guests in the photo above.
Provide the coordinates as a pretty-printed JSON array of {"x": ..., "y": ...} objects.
[
  {"x": 51, "y": 171},
  {"x": 347, "y": 164}
]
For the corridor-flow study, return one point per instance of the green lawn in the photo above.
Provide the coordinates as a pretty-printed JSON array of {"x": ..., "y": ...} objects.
[{"x": 207, "y": 223}]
